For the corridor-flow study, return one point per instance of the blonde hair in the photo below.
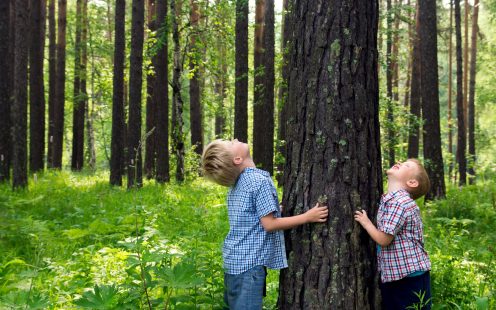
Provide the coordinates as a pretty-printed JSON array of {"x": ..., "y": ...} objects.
[
  {"x": 218, "y": 165},
  {"x": 422, "y": 178}
]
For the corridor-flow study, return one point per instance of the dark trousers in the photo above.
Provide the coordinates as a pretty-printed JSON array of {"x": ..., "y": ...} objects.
[{"x": 407, "y": 293}]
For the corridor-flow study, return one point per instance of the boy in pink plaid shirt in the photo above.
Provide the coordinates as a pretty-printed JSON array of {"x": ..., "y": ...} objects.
[{"x": 402, "y": 260}]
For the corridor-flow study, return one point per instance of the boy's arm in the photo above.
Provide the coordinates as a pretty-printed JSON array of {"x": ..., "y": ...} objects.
[
  {"x": 315, "y": 215},
  {"x": 378, "y": 236}
]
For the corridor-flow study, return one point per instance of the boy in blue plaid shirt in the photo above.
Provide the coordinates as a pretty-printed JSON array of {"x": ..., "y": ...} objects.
[
  {"x": 255, "y": 239},
  {"x": 402, "y": 260}
]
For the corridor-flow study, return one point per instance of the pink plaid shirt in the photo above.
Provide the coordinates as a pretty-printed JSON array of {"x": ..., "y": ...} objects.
[{"x": 399, "y": 215}]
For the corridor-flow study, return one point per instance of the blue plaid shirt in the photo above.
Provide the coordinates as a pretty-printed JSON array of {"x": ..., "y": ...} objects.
[{"x": 247, "y": 244}]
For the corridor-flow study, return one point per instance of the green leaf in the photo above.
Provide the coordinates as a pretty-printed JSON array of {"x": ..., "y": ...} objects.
[{"x": 102, "y": 297}]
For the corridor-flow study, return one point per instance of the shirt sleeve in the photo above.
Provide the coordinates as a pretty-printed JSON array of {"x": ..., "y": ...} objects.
[
  {"x": 392, "y": 219},
  {"x": 266, "y": 199}
]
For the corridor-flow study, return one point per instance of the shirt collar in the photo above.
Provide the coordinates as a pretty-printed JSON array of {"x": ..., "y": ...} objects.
[
  {"x": 395, "y": 194},
  {"x": 249, "y": 170}
]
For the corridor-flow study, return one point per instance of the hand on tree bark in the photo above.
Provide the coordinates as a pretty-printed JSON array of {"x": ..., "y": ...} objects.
[
  {"x": 317, "y": 214},
  {"x": 362, "y": 218}
]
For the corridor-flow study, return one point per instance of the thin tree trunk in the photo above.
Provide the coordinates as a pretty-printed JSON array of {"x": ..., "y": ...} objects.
[
  {"x": 410, "y": 56},
  {"x": 161, "y": 94},
  {"x": 415, "y": 90},
  {"x": 194, "y": 83},
  {"x": 52, "y": 79},
  {"x": 283, "y": 91},
  {"x": 389, "y": 85},
  {"x": 135, "y": 83},
  {"x": 333, "y": 155},
  {"x": 430, "y": 99},
  {"x": 6, "y": 41},
  {"x": 450, "y": 92},
  {"x": 471, "y": 98},
  {"x": 241, "y": 72},
  {"x": 19, "y": 108},
  {"x": 465, "y": 65},
  {"x": 58, "y": 134},
  {"x": 177, "y": 101},
  {"x": 461, "y": 140},
  {"x": 395, "y": 51},
  {"x": 220, "y": 91},
  {"x": 36, "y": 86},
  {"x": 118, "y": 124},
  {"x": 79, "y": 100},
  {"x": 151, "y": 137}
]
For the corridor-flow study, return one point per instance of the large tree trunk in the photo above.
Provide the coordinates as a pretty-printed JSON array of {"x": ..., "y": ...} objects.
[
  {"x": 177, "y": 100},
  {"x": 195, "y": 112},
  {"x": 263, "y": 104},
  {"x": 150, "y": 126},
  {"x": 6, "y": 41},
  {"x": 134, "y": 172},
  {"x": 413, "y": 135},
  {"x": 471, "y": 98},
  {"x": 52, "y": 79},
  {"x": 79, "y": 100},
  {"x": 19, "y": 108},
  {"x": 461, "y": 141},
  {"x": 36, "y": 86},
  {"x": 450, "y": 92},
  {"x": 58, "y": 134},
  {"x": 333, "y": 155},
  {"x": 430, "y": 98},
  {"x": 161, "y": 95},
  {"x": 118, "y": 124},
  {"x": 241, "y": 72}
]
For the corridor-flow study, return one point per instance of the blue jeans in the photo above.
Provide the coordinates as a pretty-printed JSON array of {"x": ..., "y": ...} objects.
[
  {"x": 402, "y": 294},
  {"x": 245, "y": 291}
]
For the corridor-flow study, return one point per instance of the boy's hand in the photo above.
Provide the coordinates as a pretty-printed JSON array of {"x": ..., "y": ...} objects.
[
  {"x": 362, "y": 218},
  {"x": 317, "y": 214}
]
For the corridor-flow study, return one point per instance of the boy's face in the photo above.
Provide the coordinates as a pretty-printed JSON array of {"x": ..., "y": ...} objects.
[{"x": 403, "y": 172}]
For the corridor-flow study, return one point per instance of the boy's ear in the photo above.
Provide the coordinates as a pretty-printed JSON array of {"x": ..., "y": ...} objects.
[
  {"x": 412, "y": 183},
  {"x": 237, "y": 160}
]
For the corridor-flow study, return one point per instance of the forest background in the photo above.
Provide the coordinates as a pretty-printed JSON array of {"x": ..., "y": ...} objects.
[{"x": 71, "y": 240}]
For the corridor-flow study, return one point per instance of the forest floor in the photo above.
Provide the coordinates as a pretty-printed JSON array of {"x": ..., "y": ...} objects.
[{"x": 70, "y": 242}]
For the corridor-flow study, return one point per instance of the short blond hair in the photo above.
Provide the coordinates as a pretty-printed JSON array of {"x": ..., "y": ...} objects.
[
  {"x": 422, "y": 178},
  {"x": 218, "y": 165}
]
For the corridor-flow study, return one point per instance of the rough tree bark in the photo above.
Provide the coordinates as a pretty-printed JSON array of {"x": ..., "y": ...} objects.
[{"x": 333, "y": 154}]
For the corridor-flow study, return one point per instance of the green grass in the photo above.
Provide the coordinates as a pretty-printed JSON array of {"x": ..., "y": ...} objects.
[{"x": 70, "y": 241}]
